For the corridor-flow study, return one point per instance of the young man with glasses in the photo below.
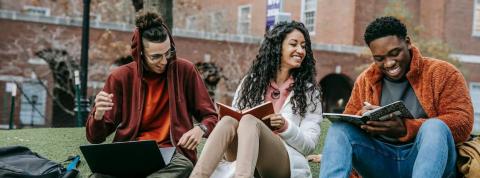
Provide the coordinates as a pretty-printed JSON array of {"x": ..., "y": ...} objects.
[{"x": 155, "y": 97}]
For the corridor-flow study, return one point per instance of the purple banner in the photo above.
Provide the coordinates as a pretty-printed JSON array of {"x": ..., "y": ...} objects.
[{"x": 273, "y": 8}]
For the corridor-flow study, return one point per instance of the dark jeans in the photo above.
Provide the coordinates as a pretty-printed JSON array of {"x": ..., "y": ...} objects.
[{"x": 179, "y": 167}]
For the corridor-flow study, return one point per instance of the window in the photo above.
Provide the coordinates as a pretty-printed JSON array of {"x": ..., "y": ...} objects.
[
  {"x": 32, "y": 109},
  {"x": 244, "y": 19},
  {"x": 309, "y": 9},
  {"x": 475, "y": 94},
  {"x": 217, "y": 23},
  {"x": 191, "y": 23},
  {"x": 33, "y": 10},
  {"x": 96, "y": 17},
  {"x": 476, "y": 19}
]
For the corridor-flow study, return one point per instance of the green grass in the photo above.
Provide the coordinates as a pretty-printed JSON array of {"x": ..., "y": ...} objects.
[{"x": 59, "y": 143}]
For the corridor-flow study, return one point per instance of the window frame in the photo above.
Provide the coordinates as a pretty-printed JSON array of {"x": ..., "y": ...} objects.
[
  {"x": 191, "y": 25},
  {"x": 217, "y": 25},
  {"x": 27, "y": 113},
  {"x": 476, "y": 18},
  {"x": 303, "y": 18},
  {"x": 34, "y": 10},
  {"x": 475, "y": 103},
  {"x": 241, "y": 21}
]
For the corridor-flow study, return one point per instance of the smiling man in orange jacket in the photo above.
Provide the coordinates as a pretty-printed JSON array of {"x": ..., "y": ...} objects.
[{"x": 434, "y": 91}]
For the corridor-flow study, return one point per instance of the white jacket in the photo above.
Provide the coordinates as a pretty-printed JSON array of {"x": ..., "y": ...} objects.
[{"x": 301, "y": 136}]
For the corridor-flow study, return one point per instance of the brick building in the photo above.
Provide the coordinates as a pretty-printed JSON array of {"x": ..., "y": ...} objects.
[{"x": 227, "y": 34}]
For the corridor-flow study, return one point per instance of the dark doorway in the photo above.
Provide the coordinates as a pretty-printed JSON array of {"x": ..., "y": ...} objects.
[{"x": 336, "y": 90}]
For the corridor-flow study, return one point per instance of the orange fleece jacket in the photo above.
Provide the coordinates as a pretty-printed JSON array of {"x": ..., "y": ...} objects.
[{"x": 439, "y": 87}]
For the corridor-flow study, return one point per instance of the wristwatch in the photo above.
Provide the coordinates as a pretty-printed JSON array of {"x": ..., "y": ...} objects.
[{"x": 204, "y": 128}]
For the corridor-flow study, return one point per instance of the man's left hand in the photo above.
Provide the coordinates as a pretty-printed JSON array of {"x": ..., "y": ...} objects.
[
  {"x": 191, "y": 139},
  {"x": 393, "y": 127}
]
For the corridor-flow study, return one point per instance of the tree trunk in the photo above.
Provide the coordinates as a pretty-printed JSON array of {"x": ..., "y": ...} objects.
[
  {"x": 163, "y": 7},
  {"x": 137, "y": 4},
  {"x": 61, "y": 66}
]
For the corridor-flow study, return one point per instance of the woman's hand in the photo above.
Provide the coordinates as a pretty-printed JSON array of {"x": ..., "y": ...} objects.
[{"x": 277, "y": 121}]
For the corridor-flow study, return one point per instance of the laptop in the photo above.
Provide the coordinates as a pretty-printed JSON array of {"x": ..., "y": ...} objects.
[{"x": 126, "y": 159}]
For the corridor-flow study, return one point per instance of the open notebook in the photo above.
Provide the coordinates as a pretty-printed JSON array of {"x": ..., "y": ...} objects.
[{"x": 379, "y": 114}]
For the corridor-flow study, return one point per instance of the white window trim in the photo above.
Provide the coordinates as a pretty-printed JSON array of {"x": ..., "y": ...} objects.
[
  {"x": 46, "y": 9},
  {"x": 302, "y": 17},
  {"x": 24, "y": 114},
  {"x": 476, "y": 111},
  {"x": 215, "y": 25},
  {"x": 191, "y": 25},
  {"x": 476, "y": 5},
  {"x": 96, "y": 17},
  {"x": 239, "y": 19},
  {"x": 476, "y": 84}
]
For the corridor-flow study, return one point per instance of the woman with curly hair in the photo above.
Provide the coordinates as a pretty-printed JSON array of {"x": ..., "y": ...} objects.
[{"x": 283, "y": 73}]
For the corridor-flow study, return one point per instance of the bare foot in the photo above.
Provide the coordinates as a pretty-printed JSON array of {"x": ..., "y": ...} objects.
[{"x": 315, "y": 158}]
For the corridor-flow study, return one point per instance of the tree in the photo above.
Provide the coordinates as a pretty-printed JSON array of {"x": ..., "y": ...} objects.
[
  {"x": 236, "y": 63},
  {"x": 210, "y": 74},
  {"x": 431, "y": 47},
  {"x": 163, "y": 7},
  {"x": 62, "y": 67},
  {"x": 49, "y": 45},
  {"x": 137, "y": 4},
  {"x": 60, "y": 49}
]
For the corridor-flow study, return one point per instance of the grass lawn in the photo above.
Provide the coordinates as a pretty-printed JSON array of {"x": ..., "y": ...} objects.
[{"x": 58, "y": 143}]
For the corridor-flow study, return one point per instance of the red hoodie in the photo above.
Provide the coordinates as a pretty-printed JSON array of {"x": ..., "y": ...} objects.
[{"x": 188, "y": 99}]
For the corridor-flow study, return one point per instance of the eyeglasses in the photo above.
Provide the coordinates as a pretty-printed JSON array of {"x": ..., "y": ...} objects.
[{"x": 158, "y": 57}]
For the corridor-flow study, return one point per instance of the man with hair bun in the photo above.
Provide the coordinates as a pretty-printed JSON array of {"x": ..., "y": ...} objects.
[
  {"x": 155, "y": 97},
  {"x": 433, "y": 90}
]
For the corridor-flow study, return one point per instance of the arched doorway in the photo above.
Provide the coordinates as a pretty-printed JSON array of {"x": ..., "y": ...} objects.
[{"x": 336, "y": 89}]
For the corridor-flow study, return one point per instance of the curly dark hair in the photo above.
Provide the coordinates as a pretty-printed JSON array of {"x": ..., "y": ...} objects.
[
  {"x": 384, "y": 26},
  {"x": 153, "y": 28},
  {"x": 267, "y": 63}
]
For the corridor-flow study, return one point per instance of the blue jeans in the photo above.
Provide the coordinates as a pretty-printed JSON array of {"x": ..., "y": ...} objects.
[{"x": 432, "y": 154}]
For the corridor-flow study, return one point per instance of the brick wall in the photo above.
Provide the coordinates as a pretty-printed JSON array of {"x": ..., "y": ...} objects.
[
  {"x": 233, "y": 57},
  {"x": 458, "y": 27}
]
